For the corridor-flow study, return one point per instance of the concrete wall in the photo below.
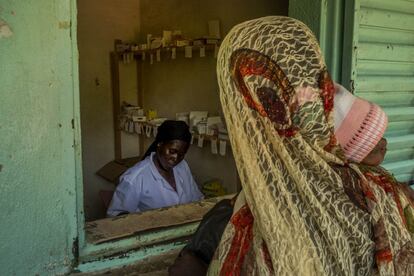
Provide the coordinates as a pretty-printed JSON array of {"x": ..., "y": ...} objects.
[
  {"x": 37, "y": 158},
  {"x": 168, "y": 86}
]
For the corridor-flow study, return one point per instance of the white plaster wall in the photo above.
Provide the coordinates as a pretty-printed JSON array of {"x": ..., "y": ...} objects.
[{"x": 168, "y": 86}]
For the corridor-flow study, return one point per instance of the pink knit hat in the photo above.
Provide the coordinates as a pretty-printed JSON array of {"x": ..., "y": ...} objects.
[{"x": 359, "y": 124}]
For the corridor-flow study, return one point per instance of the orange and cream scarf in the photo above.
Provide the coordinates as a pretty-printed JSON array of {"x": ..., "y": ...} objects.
[{"x": 296, "y": 218}]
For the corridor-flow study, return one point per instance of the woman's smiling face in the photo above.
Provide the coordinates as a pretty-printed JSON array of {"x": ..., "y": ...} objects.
[{"x": 171, "y": 153}]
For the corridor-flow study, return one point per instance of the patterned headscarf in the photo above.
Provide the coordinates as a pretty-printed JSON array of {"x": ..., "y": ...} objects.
[{"x": 277, "y": 99}]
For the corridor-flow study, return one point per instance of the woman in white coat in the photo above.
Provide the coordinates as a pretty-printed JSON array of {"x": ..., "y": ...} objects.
[{"x": 162, "y": 178}]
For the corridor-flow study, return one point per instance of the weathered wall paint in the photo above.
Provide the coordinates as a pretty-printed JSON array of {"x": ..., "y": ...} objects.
[
  {"x": 382, "y": 71},
  {"x": 37, "y": 179},
  {"x": 5, "y": 30}
]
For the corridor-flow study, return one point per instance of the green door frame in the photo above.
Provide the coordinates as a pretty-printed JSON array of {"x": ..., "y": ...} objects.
[
  {"x": 326, "y": 19},
  {"x": 332, "y": 35},
  {"x": 76, "y": 124}
]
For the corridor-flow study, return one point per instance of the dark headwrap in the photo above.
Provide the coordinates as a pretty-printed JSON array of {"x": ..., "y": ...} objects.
[{"x": 170, "y": 130}]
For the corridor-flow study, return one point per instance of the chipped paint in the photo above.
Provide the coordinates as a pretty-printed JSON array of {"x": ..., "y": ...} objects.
[
  {"x": 5, "y": 30},
  {"x": 37, "y": 156},
  {"x": 64, "y": 24}
]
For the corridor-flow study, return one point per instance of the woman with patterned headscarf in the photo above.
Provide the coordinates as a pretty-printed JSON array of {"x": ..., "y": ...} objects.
[{"x": 295, "y": 215}]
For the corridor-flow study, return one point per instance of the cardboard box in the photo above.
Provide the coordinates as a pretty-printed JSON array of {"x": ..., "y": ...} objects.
[{"x": 114, "y": 169}]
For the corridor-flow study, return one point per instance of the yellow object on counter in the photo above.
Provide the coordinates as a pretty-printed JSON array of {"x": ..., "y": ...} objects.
[
  {"x": 213, "y": 188},
  {"x": 151, "y": 114}
]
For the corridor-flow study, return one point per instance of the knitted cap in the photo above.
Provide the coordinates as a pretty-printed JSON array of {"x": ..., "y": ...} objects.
[{"x": 359, "y": 124}]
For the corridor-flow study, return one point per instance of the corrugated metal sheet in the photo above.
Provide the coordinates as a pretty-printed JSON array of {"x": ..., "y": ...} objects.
[{"x": 382, "y": 71}]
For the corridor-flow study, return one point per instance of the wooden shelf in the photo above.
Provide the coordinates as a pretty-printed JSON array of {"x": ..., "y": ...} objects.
[
  {"x": 151, "y": 133},
  {"x": 208, "y": 48},
  {"x": 116, "y": 57}
]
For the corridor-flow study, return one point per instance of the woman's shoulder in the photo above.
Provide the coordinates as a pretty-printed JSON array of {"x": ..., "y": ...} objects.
[{"x": 139, "y": 170}]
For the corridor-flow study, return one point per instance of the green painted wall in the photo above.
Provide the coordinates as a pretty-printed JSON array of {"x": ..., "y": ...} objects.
[
  {"x": 325, "y": 19},
  {"x": 309, "y": 12},
  {"x": 381, "y": 51},
  {"x": 37, "y": 158},
  {"x": 369, "y": 47}
]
